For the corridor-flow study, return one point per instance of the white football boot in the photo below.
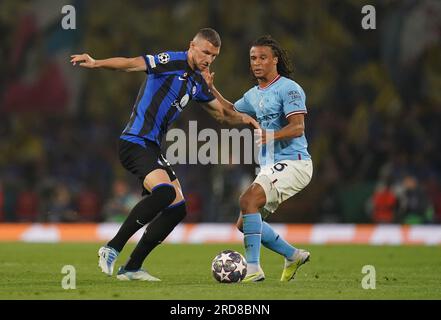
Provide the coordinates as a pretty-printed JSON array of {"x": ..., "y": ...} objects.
[
  {"x": 140, "y": 275},
  {"x": 107, "y": 258}
]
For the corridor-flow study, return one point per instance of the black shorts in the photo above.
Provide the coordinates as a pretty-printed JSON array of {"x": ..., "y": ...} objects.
[{"x": 141, "y": 161}]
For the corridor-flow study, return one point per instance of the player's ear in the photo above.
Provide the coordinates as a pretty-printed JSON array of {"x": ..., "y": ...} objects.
[{"x": 276, "y": 60}]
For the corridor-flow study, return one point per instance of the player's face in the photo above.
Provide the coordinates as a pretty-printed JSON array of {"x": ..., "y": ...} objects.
[
  {"x": 203, "y": 53},
  {"x": 262, "y": 61}
]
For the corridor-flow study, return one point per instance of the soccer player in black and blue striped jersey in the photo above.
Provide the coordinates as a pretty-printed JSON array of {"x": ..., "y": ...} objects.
[{"x": 173, "y": 79}]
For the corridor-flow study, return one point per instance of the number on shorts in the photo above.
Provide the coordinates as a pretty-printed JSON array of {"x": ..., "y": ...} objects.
[{"x": 279, "y": 167}]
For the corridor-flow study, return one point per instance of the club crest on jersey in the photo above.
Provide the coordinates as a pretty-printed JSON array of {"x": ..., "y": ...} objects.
[
  {"x": 193, "y": 90},
  {"x": 163, "y": 57}
]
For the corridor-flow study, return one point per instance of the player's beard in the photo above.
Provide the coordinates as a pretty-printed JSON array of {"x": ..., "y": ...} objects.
[{"x": 202, "y": 67}]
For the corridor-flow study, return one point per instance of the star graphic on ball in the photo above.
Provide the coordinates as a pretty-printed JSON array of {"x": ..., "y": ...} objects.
[
  {"x": 224, "y": 257},
  {"x": 240, "y": 266},
  {"x": 224, "y": 275}
]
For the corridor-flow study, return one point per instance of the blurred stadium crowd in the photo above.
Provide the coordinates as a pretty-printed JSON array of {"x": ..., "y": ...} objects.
[{"x": 373, "y": 96}]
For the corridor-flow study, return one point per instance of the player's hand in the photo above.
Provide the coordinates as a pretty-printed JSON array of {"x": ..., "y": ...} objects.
[
  {"x": 84, "y": 60},
  {"x": 263, "y": 137},
  {"x": 246, "y": 119},
  {"x": 208, "y": 77}
]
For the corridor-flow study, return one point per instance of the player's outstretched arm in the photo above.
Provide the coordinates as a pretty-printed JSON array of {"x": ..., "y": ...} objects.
[
  {"x": 223, "y": 110},
  {"x": 225, "y": 115},
  {"x": 209, "y": 79},
  {"x": 118, "y": 63}
]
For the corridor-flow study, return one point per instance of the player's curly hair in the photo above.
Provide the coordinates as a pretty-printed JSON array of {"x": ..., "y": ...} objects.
[{"x": 284, "y": 65}]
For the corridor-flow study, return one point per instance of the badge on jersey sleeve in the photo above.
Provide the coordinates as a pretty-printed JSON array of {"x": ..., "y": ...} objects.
[{"x": 163, "y": 57}]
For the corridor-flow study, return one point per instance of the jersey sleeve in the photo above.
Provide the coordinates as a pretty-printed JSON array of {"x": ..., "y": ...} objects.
[
  {"x": 242, "y": 105},
  {"x": 165, "y": 62},
  {"x": 203, "y": 94},
  {"x": 294, "y": 100}
]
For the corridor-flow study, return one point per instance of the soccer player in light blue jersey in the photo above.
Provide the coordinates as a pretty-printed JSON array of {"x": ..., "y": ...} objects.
[{"x": 278, "y": 104}]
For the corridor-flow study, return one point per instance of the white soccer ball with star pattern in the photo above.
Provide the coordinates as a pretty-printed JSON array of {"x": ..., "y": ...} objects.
[{"x": 229, "y": 266}]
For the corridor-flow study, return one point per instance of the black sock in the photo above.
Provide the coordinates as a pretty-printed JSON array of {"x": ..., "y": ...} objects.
[
  {"x": 144, "y": 211},
  {"x": 155, "y": 233}
]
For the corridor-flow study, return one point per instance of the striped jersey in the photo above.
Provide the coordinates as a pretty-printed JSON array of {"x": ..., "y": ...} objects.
[
  {"x": 272, "y": 106},
  {"x": 169, "y": 85}
]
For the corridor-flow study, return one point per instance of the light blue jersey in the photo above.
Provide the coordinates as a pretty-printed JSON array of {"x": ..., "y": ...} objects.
[{"x": 271, "y": 106}]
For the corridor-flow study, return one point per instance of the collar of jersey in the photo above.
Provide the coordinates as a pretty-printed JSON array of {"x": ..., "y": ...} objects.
[{"x": 270, "y": 84}]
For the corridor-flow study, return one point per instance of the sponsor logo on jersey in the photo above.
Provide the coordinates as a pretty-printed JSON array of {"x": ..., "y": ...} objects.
[{"x": 181, "y": 104}]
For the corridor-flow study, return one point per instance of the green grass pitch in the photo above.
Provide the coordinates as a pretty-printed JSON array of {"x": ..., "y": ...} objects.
[{"x": 33, "y": 271}]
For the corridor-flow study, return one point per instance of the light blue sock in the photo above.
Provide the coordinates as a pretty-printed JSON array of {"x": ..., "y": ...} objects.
[
  {"x": 252, "y": 230},
  {"x": 275, "y": 242}
]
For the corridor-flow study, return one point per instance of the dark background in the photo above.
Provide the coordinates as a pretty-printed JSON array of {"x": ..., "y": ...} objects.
[{"x": 373, "y": 98}]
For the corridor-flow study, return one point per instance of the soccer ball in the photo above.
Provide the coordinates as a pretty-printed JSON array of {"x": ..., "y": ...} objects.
[{"x": 229, "y": 266}]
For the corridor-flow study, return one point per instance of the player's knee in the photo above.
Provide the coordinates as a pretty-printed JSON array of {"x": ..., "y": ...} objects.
[
  {"x": 247, "y": 203},
  {"x": 243, "y": 201},
  {"x": 182, "y": 212},
  {"x": 165, "y": 193},
  {"x": 177, "y": 211},
  {"x": 239, "y": 225}
]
